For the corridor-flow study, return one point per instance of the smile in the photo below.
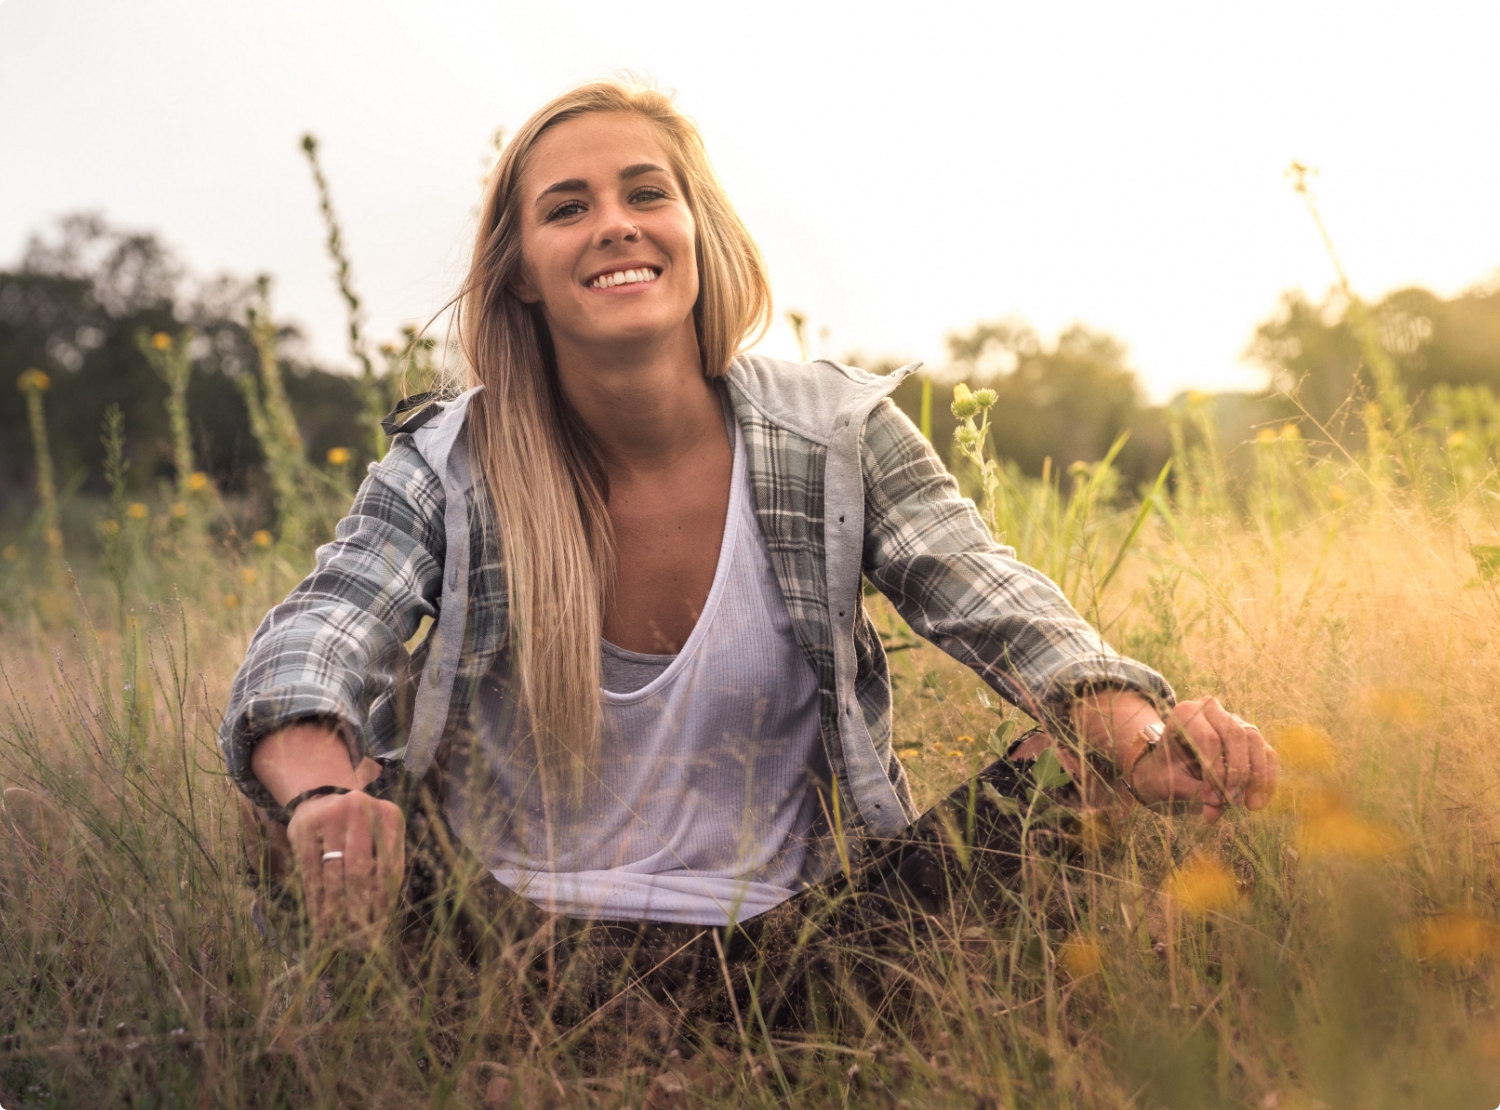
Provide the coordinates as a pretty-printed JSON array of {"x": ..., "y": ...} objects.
[{"x": 624, "y": 277}]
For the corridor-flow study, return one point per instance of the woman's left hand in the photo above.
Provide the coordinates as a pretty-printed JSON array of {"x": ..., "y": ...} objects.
[{"x": 1208, "y": 758}]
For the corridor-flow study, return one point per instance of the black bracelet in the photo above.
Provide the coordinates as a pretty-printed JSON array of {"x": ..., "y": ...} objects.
[{"x": 307, "y": 795}]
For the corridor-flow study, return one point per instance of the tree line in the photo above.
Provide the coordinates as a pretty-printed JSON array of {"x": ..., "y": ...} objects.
[{"x": 80, "y": 299}]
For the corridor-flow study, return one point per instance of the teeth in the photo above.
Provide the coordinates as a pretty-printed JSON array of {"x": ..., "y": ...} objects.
[{"x": 623, "y": 277}]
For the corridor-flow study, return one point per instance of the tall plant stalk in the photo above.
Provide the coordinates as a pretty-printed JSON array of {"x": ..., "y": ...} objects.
[
  {"x": 173, "y": 365},
  {"x": 118, "y": 551},
  {"x": 1386, "y": 421},
  {"x": 273, "y": 422},
  {"x": 374, "y": 398},
  {"x": 33, "y": 383}
]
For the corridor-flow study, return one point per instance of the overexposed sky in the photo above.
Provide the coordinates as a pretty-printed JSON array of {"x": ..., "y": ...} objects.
[{"x": 909, "y": 169}]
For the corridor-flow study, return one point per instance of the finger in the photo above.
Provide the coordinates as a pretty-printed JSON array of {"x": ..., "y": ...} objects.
[
  {"x": 307, "y": 846},
  {"x": 328, "y": 924},
  {"x": 359, "y": 873},
  {"x": 1235, "y": 747},
  {"x": 390, "y": 859},
  {"x": 1255, "y": 749},
  {"x": 1264, "y": 789},
  {"x": 1201, "y": 739},
  {"x": 1168, "y": 777}
]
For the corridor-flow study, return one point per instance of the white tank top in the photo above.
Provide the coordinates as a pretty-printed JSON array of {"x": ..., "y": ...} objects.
[{"x": 705, "y": 812}]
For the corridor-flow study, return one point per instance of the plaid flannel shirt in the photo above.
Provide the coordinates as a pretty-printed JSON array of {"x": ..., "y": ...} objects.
[{"x": 844, "y": 486}]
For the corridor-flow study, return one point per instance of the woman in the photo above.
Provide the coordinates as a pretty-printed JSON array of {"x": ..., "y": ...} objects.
[{"x": 651, "y": 687}]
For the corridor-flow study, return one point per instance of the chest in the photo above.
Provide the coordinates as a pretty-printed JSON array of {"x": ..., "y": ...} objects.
[{"x": 668, "y": 534}]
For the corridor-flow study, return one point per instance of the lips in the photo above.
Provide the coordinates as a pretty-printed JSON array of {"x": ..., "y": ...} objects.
[{"x": 627, "y": 275}]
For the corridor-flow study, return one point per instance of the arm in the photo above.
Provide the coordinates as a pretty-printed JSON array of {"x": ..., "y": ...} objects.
[
  {"x": 928, "y": 551},
  {"x": 322, "y": 684},
  {"x": 334, "y": 651}
]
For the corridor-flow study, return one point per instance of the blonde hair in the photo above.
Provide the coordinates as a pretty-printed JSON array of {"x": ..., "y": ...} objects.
[{"x": 545, "y": 480}]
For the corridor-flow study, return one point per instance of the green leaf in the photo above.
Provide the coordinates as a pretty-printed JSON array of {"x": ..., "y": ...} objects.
[
  {"x": 1487, "y": 558},
  {"x": 1048, "y": 772},
  {"x": 1000, "y": 735},
  {"x": 1008, "y": 806}
]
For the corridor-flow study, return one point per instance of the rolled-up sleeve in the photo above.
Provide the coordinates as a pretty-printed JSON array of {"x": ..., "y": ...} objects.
[{"x": 335, "y": 648}]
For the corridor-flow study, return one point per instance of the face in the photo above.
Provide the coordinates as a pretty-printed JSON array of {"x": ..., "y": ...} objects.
[{"x": 607, "y": 240}]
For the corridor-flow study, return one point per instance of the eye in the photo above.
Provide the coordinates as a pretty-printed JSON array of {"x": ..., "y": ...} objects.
[
  {"x": 647, "y": 193},
  {"x": 565, "y": 209}
]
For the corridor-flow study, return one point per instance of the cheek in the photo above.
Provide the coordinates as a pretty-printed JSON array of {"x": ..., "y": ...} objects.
[
  {"x": 685, "y": 247},
  {"x": 545, "y": 268}
]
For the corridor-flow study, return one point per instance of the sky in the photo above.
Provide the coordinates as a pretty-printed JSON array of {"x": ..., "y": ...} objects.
[{"x": 908, "y": 169}]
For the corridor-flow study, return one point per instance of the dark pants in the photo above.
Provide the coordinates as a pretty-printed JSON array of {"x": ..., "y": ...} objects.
[{"x": 836, "y": 952}]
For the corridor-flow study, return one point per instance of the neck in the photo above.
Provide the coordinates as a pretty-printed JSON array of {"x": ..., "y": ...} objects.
[{"x": 647, "y": 407}]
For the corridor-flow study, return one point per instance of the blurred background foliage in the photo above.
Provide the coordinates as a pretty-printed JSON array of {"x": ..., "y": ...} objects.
[
  {"x": 73, "y": 307},
  {"x": 82, "y": 292}
]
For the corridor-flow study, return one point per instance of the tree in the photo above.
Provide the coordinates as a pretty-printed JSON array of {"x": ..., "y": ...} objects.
[
  {"x": 74, "y": 307},
  {"x": 1312, "y": 350}
]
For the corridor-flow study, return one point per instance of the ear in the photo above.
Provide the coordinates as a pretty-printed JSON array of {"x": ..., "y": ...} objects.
[{"x": 522, "y": 288}]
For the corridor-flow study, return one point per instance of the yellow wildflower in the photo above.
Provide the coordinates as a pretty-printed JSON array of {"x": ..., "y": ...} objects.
[
  {"x": 261, "y": 538},
  {"x": 909, "y": 753},
  {"x": 11, "y": 553},
  {"x": 1266, "y": 435},
  {"x": 197, "y": 481},
  {"x": 1456, "y": 440},
  {"x": 161, "y": 341},
  {"x": 248, "y": 575},
  {"x": 33, "y": 379},
  {"x": 1080, "y": 957},
  {"x": 1452, "y": 938},
  {"x": 1332, "y": 830},
  {"x": 1337, "y": 494},
  {"x": 1203, "y": 886},
  {"x": 109, "y": 527},
  {"x": 1290, "y": 431},
  {"x": 179, "y": 510},
  {"x": 338, "y": 456},
  {"x": 1407, "y": 707},
  {"x": 136, "y": 510},
  {"x": 1196, "y": 396},
  {"x": 231, "y": 601},
  {"x": 964, "y": 739},
  {"x": 1305, "y": 747}
]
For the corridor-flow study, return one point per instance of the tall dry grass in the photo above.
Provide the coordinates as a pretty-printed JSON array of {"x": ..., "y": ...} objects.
[{"x": 1336, "y": 951}]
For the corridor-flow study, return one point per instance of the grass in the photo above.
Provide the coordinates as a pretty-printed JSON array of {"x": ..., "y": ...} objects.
[{"x": 1338, "y": 950}]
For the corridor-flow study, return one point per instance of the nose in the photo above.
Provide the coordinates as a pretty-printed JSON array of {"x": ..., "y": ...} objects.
[{"x": 616, "y": 226}]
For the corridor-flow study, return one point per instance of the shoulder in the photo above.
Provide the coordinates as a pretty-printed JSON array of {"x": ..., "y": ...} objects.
[
  {"x": 423, "y": 446},
  {"x": 813, "y": 399}
]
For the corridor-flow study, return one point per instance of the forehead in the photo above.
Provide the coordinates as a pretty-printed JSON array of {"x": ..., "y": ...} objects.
[{"x": 593, "y": 148}]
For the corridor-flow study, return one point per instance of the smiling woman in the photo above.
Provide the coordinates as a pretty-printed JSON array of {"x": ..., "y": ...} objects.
[{"x": 651, "y": 705}]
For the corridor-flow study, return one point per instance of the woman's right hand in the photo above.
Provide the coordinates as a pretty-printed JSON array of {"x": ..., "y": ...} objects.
[
  {"x": 350, "y": 848},
  {"x": 349, "y": 897}
]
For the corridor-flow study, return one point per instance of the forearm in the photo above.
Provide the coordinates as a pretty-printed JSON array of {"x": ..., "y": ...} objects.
[
  {"x": 303, "y": 756},
  {"x": 1110, "y": 721}
]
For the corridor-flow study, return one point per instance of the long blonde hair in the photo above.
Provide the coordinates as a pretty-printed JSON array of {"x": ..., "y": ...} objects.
[{"x": 545, "y": 479}]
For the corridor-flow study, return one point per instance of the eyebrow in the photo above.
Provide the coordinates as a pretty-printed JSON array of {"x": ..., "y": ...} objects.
[{"x": 578, "y": 185}]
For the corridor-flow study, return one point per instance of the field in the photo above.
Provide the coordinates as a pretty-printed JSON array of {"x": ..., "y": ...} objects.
[{"x": 1336, "y": 951}]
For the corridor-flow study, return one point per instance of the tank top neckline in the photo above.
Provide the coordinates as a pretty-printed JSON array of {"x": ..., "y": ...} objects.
[{"x": 727, "y": 544}]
